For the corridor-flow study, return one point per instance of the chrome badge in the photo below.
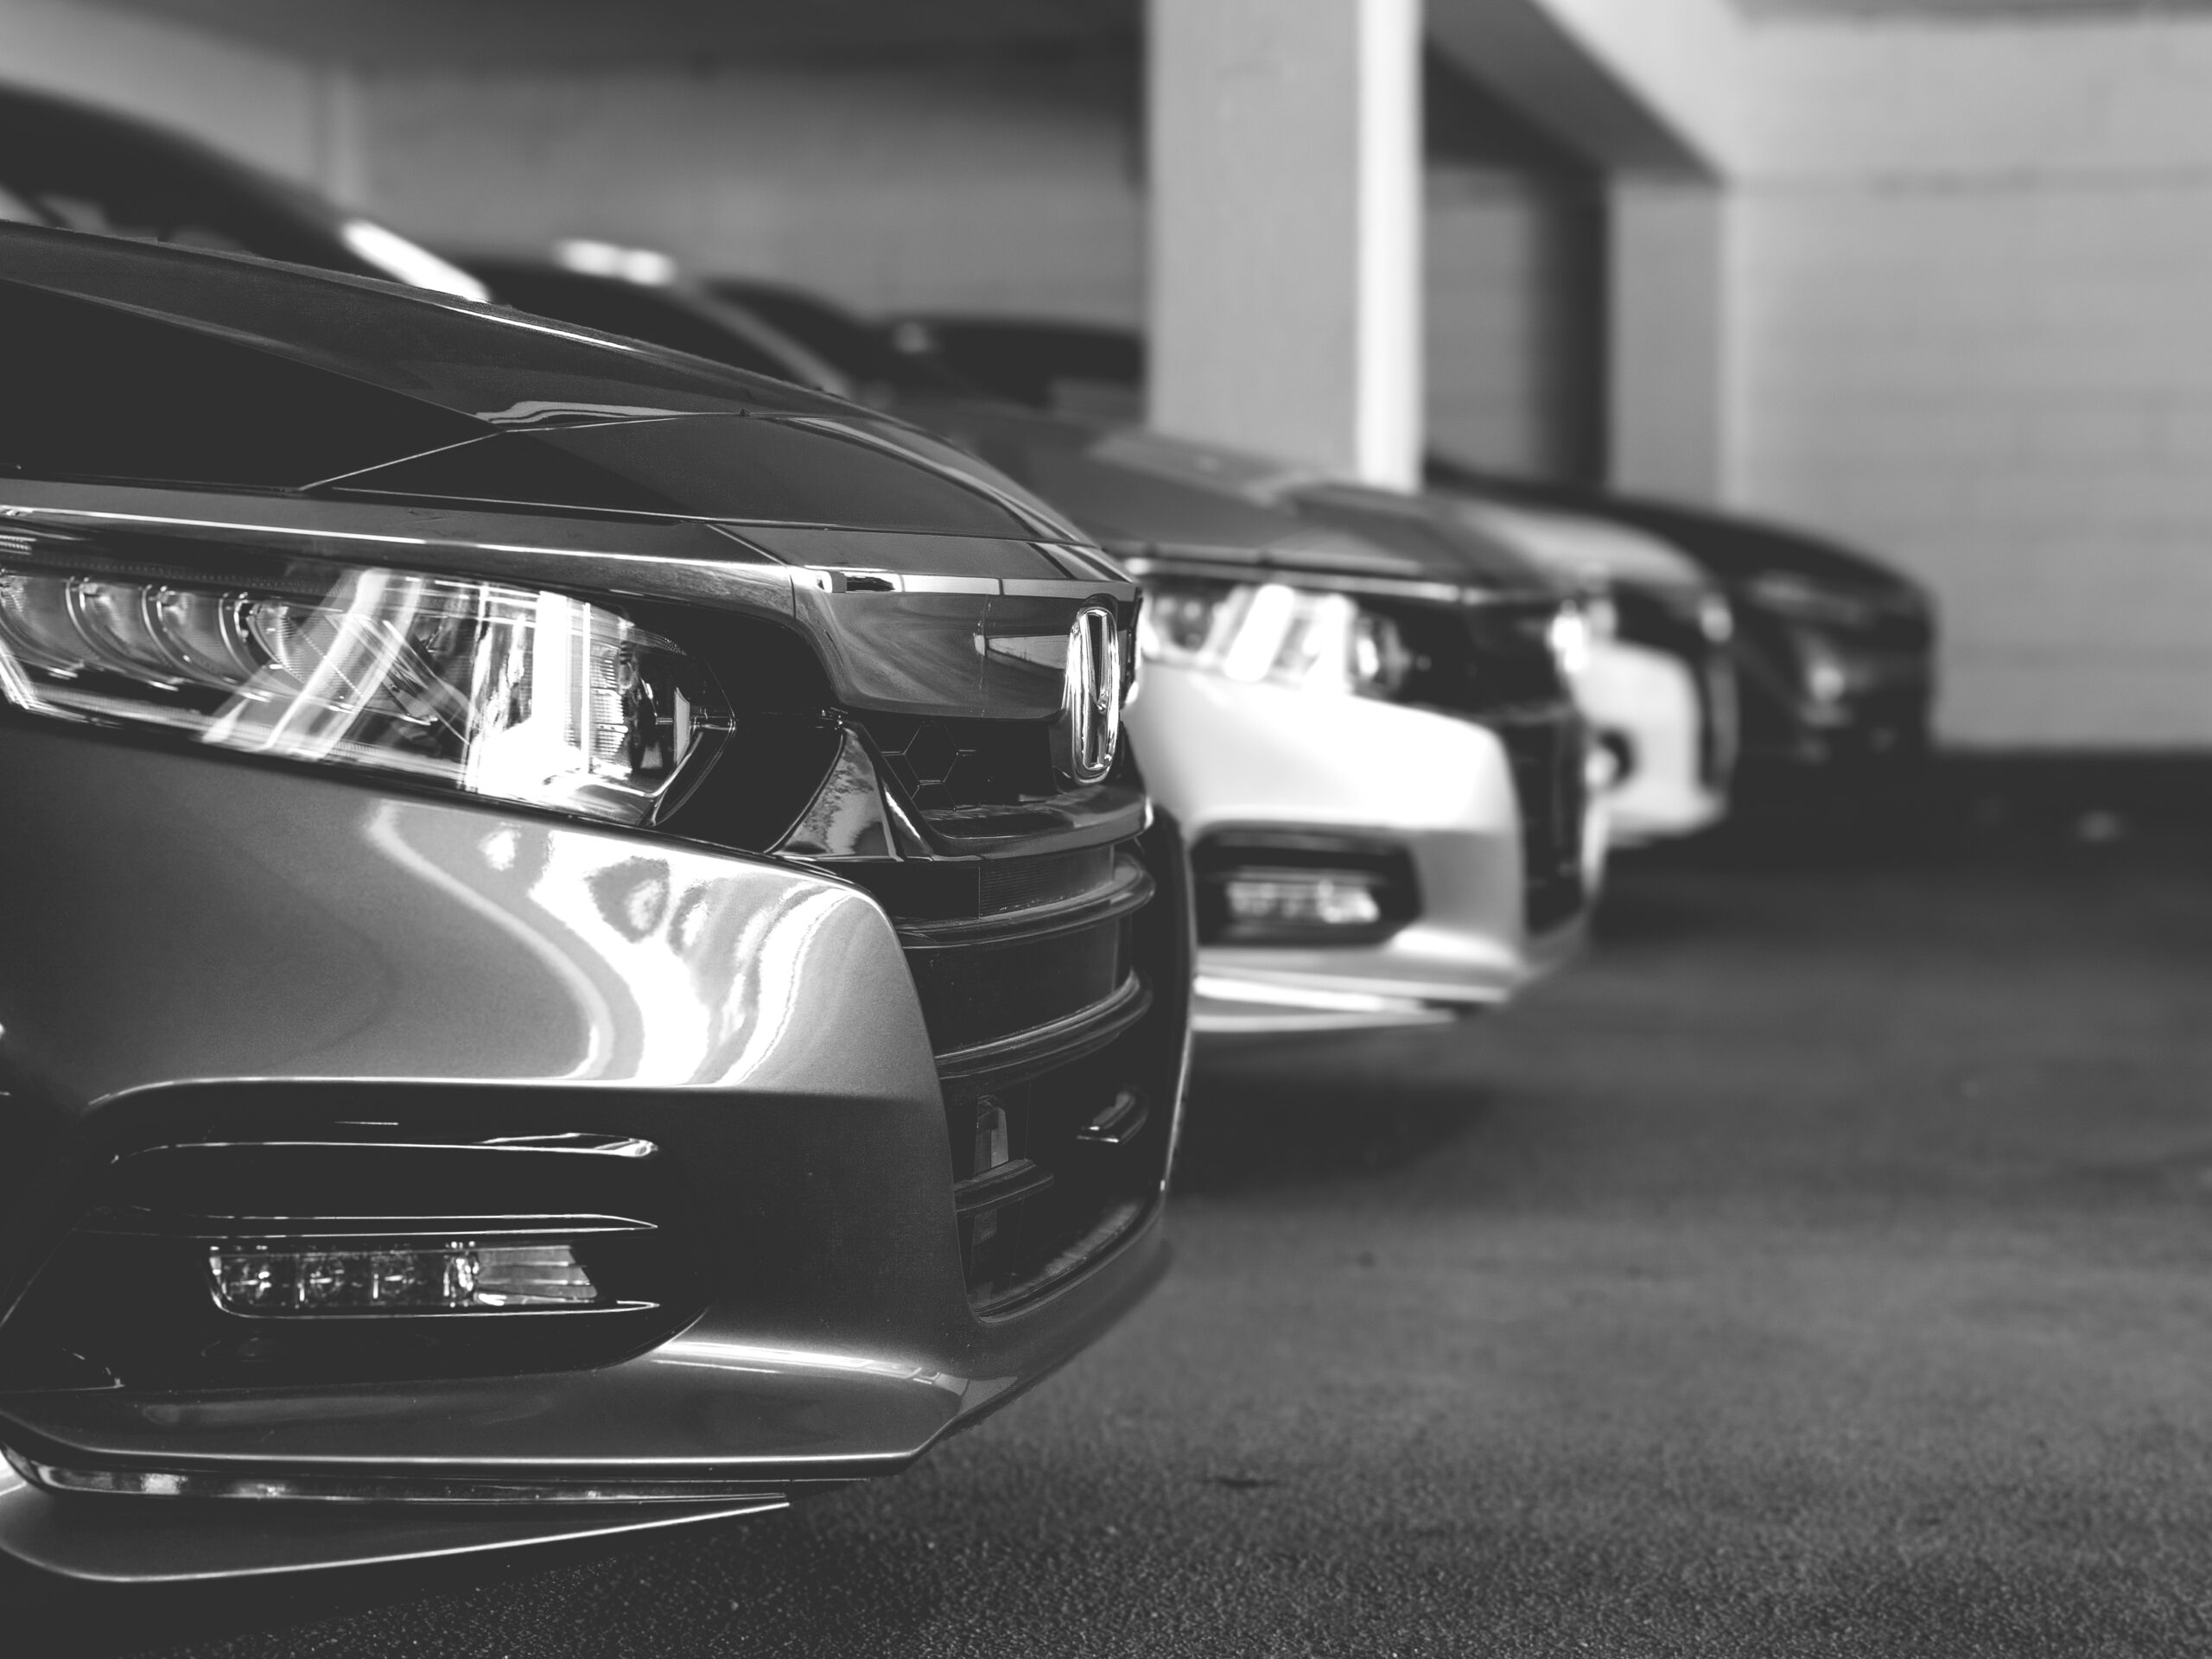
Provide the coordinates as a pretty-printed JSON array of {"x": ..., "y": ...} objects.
[{"x": 1089, "y": 730}]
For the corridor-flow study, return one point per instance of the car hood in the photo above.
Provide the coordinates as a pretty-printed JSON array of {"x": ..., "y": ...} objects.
[
  {"x": 514, "y": 410},
  {"x": 1587, "y": 551},
  {"x": 1144, "y": 494}
]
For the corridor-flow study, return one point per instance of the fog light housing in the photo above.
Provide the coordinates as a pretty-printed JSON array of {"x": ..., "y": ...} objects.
[
  {"x": 1279, "y": 887},
  {"x": 311, "y": 1278},
  {"x": 1317, "y": 899}
]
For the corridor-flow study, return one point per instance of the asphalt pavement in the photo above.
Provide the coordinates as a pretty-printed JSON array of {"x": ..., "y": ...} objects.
[{"x": 1824, "y": 1267}]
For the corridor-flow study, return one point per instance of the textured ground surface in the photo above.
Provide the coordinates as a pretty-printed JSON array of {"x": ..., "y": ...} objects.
[{"x": 1825, "y": 1268}]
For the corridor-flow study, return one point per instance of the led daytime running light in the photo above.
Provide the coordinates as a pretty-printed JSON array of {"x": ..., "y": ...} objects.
[
  {"x": 510, "y": 693},
  {"x": 1274, "y": 634}
]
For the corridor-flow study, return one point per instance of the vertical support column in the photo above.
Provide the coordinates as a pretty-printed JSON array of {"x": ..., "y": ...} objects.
[
  {"x": 342, "y": 162},
  {"x": 1668, "y": 339},
  {"x": 1285, "y": 175}
]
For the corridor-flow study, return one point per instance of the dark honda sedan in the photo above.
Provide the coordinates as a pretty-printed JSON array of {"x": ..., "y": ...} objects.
[{"x": 582, "y": 951}]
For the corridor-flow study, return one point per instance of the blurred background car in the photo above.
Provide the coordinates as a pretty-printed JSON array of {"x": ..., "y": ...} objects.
[
  {"x": 1365, "y": 726},
  {"x": 624, "y": 970},
  {"x": 1835, "y": 651}
]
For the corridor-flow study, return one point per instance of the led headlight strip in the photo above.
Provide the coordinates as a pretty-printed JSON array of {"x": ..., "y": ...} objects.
[
  {"x": 507, "y": 692},
  {"x": 1274, "y": 634}
]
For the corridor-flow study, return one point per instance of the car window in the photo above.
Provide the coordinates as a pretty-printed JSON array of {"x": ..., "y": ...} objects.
[{"x": 94, "y": 391}]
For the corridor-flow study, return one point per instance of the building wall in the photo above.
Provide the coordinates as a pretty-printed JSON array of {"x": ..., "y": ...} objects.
[
  {"x": 986, "y": 187},
  {"x": 1510, "y": 301},
  {"x": 287, "y": 115},
  {"x": 1971, "y": 283}
]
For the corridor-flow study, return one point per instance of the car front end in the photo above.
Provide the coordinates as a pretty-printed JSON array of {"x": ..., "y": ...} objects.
[
  {"x": 550, "y": 989},
  {"x": 1383, "y": 805}
]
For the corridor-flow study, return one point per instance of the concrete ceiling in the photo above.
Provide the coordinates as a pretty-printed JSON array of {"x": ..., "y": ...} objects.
[
  {"x": 1971, "y": 11},
  {"x": 396, "y": 33}
]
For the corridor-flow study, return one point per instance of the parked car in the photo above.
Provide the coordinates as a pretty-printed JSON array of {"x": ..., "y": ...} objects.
[
  {"x": 1369, "y": 745},
  {"x": 1833, "y": 652},
  {"x": 583, "y": 950}
]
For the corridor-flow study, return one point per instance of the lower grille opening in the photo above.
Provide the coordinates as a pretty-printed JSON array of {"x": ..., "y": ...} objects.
[
  {"x": 1549, "y": 777},
  {"x": 1060, "y": 1114},
  {"x": 1279, "y": 887},
  {"x": 1076, "y": 1167}
]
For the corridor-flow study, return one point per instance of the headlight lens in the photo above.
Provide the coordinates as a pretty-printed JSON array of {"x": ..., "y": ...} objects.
[
  {"x": 1274, "y": 634},
  {"x": 1570, "y": 638},
  {"x": 505, "y": 692}
]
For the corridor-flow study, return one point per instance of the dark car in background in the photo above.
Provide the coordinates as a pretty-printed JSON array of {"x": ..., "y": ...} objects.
[
  {"x": 1833, "y": 651},
  {"x": 1357, "y": 707},
  {"x": 583, "y": 951},
  {"x": 64, "y": 164}
]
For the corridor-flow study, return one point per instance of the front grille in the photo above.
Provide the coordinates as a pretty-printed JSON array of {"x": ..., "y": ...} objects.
[
  {"x": 1054, "y": 979},
  {"x": 942, "y": 764},
  {"x": 1481, "y": 658},
  {"x": 1060, "y": 1132},
  {"x": 1013, "y": 972},
  {"x": 1546, "y": 753},
  {"x": 1715, "y": 675}
]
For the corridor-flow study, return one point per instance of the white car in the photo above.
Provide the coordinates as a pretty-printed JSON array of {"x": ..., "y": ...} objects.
[
  {"x": 1360, "y": 859},
  {"x": 1658, "y": 685},
  {"x": 1358, "y": 709}
]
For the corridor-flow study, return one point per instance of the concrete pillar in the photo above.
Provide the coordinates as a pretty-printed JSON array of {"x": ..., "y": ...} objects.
[
  {"x": 1667, "y": 339},
  {"x": 1285, "y": 201}
]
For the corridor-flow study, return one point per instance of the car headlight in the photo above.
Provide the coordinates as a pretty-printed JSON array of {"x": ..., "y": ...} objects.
[
  {"x": 1571, "y": 635},
  {"x": 1274, "y": 634},
  {"x": 1803, "y": 599},
  {"x": 511, "y": 693}
]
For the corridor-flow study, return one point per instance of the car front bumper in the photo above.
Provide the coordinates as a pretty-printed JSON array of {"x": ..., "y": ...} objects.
[
  {"x": 1674, "y": 766},
  {"x": 1222, "y": 754},
  {"x": 202, "y": 952}
]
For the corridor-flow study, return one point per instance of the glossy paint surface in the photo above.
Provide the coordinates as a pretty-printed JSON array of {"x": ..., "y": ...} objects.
[{"x": 376, "y": 935}]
